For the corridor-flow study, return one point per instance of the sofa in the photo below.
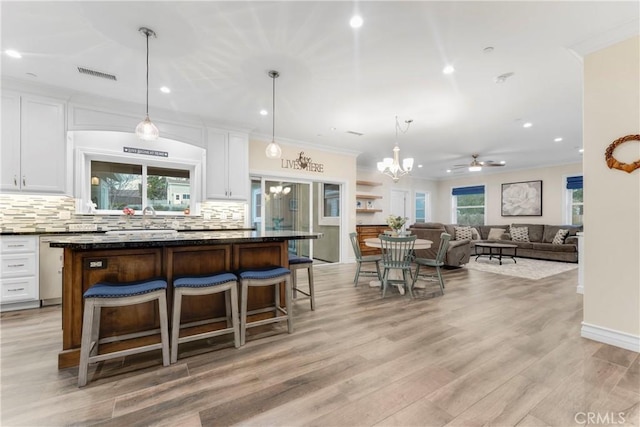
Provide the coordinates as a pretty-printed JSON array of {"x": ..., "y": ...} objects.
[
  {"x": 458, "y": 252},
  {"x": 539, "y": 246}
]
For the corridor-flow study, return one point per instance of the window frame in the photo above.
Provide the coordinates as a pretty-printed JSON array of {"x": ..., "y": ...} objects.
[
  {"x": 427, "y": 206},
  {"x": 454, "y": 204},
  {"x": 111, "y": 150},
  {"x": 329, "y": 220},
  {"x": 568, "y": 199}
]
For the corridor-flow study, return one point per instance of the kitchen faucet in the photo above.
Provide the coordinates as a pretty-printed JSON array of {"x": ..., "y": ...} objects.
[{"x": 145, "y": 221}]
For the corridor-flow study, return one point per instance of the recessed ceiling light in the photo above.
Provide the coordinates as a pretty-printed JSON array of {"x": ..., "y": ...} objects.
[
  {"x": 448, "y": 69},
  {"x": 356, "y": 21},
  {"x": 419, "y": 166},
  {"x": 581, "y": 150},
  {"x": 333, "y": 129},
  {"x": 263, "y": 112},
  {"x": 31, "y": 74},
  {"x": 448, "y": 170},
  {"x": 165, "y": 89},
  {"x": 13, "y": 53},
  {"x": 558, "y": 139},
  {"x": 488, "y": 49},
  {"x": 527, "y": 125}
]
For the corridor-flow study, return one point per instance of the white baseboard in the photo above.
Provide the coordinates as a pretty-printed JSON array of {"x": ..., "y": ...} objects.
[{"x": 610, "y": 336}]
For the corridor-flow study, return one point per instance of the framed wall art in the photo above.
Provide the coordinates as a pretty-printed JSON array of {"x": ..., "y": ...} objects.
[{"x": 522, "y": 198}]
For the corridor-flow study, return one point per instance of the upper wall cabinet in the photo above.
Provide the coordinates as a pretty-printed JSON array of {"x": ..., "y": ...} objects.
[
  {"x": 227, "y": 165},
  {"x": 33, "y": 144}
]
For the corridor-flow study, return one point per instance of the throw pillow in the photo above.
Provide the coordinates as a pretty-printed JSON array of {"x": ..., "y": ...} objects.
[
  {"x": 496, "y": 233},
  {"x": 463, "y": 233},
  {"x": 519, "y": 234},
  {"x": 475, "y": 234},
  {"x": 561, "y": 234}
]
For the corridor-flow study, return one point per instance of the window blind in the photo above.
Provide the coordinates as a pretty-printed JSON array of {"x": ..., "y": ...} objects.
[{"x": 463, "y": 191}]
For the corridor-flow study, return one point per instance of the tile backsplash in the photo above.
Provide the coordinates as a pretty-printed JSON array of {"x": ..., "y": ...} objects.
[{"x": 39, "y": 213}]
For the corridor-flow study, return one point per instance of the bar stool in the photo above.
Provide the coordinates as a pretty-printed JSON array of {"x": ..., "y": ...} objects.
[
  {"x": 300, "y": 263},
  {"x": 105, "y": 294},
  {"x": 270, "y": 276},
  {"x": 205, "y": 285}
]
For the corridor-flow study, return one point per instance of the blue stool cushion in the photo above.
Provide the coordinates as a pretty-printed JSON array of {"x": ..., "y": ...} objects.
[
  {"x": 264, "y": 273},
  {"x": 120, "y": 290},
  {"x": 294, "y": 259},
  {"x": 204, "y": 281}
]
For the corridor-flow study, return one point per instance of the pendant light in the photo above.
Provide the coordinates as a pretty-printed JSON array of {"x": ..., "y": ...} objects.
[
  {"x": 146, "y": 130},
  {"x": 273, "y": 150}
]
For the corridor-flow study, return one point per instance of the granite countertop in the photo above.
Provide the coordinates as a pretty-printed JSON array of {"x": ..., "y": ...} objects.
[
  {"x": 65, "y": 231},
  {"x": 183, "y": 238}
]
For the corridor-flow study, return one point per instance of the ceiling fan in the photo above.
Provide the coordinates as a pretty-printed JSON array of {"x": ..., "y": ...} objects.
[{"x": 476, "y": 166}]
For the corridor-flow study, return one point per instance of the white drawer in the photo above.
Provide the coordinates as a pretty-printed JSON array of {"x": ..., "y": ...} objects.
[
  {"x": 16, "y": 290},
  {"x": 16, "y": 265},
  {"x": 16, "y": 244}
]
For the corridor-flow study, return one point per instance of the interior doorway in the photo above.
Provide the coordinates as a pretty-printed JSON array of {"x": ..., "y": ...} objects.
[{"x": 280, "y": 204}]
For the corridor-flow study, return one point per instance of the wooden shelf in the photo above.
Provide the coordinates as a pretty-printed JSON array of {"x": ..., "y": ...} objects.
[
  {"x": 368, "y": 196},
  {"x": 368, "y": 210},
  {"x": 368, "y": 183}
]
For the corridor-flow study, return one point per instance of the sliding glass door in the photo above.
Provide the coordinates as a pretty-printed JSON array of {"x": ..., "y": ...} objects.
[
  {"x": 302, "y": 206},
  {"x": 287, "y": 206}
]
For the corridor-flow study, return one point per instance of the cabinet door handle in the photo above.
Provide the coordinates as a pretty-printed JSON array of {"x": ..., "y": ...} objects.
[
  {"x": 16, "y": 245},
  {"x": 230, "y": 193},
  {"x": 24, "y": 181},
  {"x": 15, "y": 181},
  {"x": 16, "y": 290},
  {"x": 15, "y": 265}
]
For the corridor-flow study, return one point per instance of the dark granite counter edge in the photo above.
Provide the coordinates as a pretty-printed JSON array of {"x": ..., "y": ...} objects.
[{"x": 151, "y": 243}]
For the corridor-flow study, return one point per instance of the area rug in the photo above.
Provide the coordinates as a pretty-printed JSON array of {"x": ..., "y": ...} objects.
[{"x": 526, "y": 268}]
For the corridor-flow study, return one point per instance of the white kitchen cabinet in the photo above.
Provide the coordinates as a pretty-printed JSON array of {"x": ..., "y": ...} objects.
[
  {"x": 33, "y": 147},
  {"x": 19, "y": 273},
  {"x": 227, "y": 165}
]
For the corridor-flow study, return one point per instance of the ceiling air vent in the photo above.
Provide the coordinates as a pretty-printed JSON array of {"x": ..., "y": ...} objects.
[
  {"x": 353, "y": 132},
  {"x": 94, "y": 73}
]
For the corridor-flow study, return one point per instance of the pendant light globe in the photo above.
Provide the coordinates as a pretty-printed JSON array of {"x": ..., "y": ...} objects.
[
  {"x": 273, "y": 150},
  {"x": 146, "y": 130}
]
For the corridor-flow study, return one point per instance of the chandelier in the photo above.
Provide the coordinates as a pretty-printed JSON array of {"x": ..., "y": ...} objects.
[{"x": 391, "y": 166}]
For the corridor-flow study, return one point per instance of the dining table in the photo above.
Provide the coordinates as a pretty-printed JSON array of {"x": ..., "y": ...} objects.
[{"x": 375, "y": 242}]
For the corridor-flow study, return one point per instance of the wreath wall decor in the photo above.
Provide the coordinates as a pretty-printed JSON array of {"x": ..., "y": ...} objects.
[{"x": 614, "y": 163}]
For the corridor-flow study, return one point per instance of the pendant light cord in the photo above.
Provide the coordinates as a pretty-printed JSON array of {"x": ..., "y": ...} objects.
[
  {"x": 273, "y": 110},
  {"x": 147, "y": 34}
]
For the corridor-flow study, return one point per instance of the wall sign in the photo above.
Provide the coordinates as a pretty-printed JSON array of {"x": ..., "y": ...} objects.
[
  {"x": 614, "y": 163},
  {"x": 302, "y": 163},
  {"x": 145, "y": 151}
]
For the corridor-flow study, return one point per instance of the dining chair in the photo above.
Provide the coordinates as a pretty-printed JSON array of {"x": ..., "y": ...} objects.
[
  {"x": 436, "y": 263},
  {"x": 362, "y": 259},
  {"x": 397, "y": 254}
]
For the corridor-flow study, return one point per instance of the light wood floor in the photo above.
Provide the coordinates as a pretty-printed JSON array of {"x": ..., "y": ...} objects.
[{"x": 494, "y": 350}]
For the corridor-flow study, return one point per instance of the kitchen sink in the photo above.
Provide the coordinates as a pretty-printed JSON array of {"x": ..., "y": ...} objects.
[{"x": 146, "y": 231}]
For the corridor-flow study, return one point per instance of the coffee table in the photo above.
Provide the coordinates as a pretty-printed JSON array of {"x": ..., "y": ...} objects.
[{"x": 495, "y": 250}]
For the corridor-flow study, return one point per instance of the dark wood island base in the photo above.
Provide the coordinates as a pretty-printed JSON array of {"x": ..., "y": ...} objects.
[{"x": 129, "y": 259}]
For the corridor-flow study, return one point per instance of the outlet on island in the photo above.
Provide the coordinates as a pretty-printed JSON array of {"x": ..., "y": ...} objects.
[
  {"x": 223, "y": 216},
  {"x": 207, "y": 215}
]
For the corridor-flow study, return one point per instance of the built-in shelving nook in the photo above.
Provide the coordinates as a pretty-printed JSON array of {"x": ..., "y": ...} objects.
[{"x": 365, "y": 198}]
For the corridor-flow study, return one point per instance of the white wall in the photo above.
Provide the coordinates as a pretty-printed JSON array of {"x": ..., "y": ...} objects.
[
  {"x": 553, "y": 190},
  {"x": 407, "y": 183},
  {"x": 612, "y": 206}
]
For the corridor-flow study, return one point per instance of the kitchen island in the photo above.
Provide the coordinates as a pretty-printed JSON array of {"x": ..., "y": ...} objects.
[{"x": 92, "y": 258}]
